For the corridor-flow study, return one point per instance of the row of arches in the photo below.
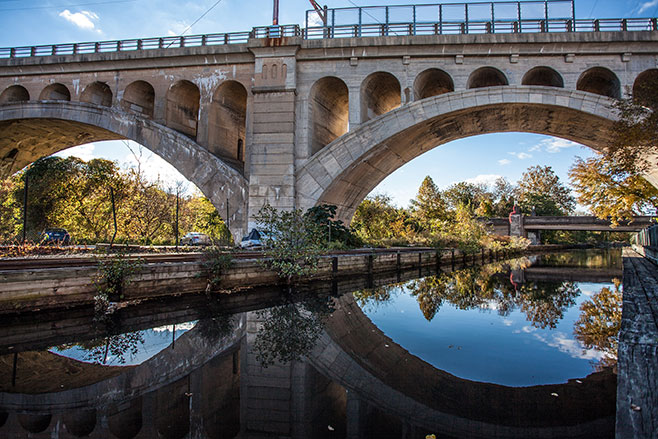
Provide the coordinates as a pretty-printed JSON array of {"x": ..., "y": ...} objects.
[
  {"x": 381, "y": 92},
  {"x": 226, "y": 117}
]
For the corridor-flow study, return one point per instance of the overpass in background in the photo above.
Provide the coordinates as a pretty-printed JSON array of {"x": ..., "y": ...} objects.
[
  {"x": 296, "y": 117},
  {"x": 529, "y": 226}
]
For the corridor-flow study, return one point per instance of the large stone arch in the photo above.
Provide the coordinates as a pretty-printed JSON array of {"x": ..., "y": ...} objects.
[
  {"x": 30, "y": 130},
  {"x": 345, "y": 171}
]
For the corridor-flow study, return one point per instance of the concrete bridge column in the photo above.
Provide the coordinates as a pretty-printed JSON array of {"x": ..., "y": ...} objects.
[
  {"x": 272, "y": 154},
  {"x": 355, "y": 107}
]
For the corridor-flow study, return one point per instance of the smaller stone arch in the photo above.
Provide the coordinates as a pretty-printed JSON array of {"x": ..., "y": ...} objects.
[
  {"x": 328, "y": 112},
  {"x": 139, "y": 98},
  {"x": 486, "y": 77},
  {"x": 34, "y": 423},
  {"x": 227, "y": 121},
  {"x": 380, "y": 93},
  {"x": 544, "y": 76},
  {"x": 14, "y": 93},
  {"x": 80, "y": 423},
  {"x": 182, "y": 108},
  {"x": 432, "y": 82},
  {"x": 645, "y": 80},
  {"x": 98, "y": 93},
  {"x": 55, "y": 92},
  {"x": 600, "y": 81}
]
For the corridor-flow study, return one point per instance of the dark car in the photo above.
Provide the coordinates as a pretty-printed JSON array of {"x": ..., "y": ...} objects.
[{"x": 55, "y": 236}]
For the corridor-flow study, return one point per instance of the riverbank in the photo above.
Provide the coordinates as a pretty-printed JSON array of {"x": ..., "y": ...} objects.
[{"x": 36, "y": 283}]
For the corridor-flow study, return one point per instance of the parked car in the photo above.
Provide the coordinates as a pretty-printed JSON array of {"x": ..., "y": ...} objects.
[
  {"x": 196, "y": 238},
  {"x": 55, "y": 236},
  {"x": 255, "y": 239}
]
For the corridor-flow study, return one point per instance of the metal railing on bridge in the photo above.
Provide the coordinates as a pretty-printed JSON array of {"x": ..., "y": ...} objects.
[
  {"x": 647, "y": 237},
  {"x": 532, "y": 16}
]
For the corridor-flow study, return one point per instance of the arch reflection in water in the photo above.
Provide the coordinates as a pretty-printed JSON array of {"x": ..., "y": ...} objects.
[
  {"x": 507, "y": 323},
  {"x": 333, "y": 373}
]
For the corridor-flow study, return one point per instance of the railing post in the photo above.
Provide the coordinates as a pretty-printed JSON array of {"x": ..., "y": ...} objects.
[
  {"x": 597, "y": 26},
  {"x": 414, "y": 18},
  {"x": 140, "y": 44},
  {"x": 570, "y": 26},
  {"x": 203, "y": 39},
  {"x": 654, "y": 24},
  {"x": 160, "y": 43},
  {"x": 515, "y": 27},
  {"x": 12, "y": 52},
  {"x": 624, "y": 24},
  {"x": 53, "y": 49},
  {"x": 182, "y": 41},
  {"x": 33, "y": 51},
  {"x": 119, "y": 46},
  {"x": 75, "y": 49},
  {"x": 360, "y": 21},
  {"x": 96, "y": 47}
]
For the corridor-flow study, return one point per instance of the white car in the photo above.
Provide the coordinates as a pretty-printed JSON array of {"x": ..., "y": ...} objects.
[{"x": 195, "y": 238}]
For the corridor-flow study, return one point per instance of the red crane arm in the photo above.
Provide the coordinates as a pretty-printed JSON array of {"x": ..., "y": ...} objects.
[{"x": 321, "y": 11}]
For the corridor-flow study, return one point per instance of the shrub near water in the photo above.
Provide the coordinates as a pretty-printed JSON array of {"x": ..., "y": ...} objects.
[{"x": 293, "y": 241}]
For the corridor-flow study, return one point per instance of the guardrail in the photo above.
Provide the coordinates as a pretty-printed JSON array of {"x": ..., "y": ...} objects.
[
  {"x": 481, "y": 27},
  {"x": 339, "y": 31}
]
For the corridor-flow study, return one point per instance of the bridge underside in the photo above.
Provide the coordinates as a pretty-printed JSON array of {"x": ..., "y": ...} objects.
[
  {"x": 347, "y": 170},
  {"x": 31, "y": 130}
]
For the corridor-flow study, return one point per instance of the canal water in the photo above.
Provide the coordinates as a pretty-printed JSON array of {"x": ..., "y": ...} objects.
[{"x": 514, "y": 349}]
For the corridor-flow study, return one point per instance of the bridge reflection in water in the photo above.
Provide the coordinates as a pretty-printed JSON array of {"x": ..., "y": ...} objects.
[{"x": 330, "y": 371}]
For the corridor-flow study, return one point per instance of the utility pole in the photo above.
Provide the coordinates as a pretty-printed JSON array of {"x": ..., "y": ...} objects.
[{"x": 275, "y": 15}]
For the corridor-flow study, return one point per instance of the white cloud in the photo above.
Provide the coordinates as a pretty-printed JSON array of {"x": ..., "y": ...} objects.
[
  {"x": 84, "y": 152},
  {"x": 177, "y": 28},
  {"x": 555, "y": 144},
  {"x": 487, "y": 179},
  {"x": 314, "y": 20},
  {"x": 570, "y": 346},
  {"x": 521, "y": 155},
  {"x": 503, "y": 162},
  {"x": 84, "y": 19},
  {"x": 508, "y": 322},
  {"x": 646, "y": 5}
]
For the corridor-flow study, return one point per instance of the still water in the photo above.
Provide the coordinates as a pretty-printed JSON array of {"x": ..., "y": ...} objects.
[{"x": 522, "y": 348}]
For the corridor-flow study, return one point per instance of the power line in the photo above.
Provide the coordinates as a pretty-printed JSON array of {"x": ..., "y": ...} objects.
[
  {"x": 67, "y": 6},
  {"x": 202, "y": 15},
  {"x": 369, "y": 15},
  {"x": 593, "y": 7}
]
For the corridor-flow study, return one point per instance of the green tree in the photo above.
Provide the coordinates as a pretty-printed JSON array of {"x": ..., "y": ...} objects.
[
  {"x": 540, "y": 188},
  {"x": 204, "y": 218},
  {"x": 464, "y": 194},
  {"x": 10, "y": 208},
  {"x": 428, "y": 205},
  {"x": 293, "y": 241}
]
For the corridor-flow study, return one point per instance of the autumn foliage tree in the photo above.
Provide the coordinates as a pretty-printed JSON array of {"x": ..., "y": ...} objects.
[{"x": 611, "y": 183}]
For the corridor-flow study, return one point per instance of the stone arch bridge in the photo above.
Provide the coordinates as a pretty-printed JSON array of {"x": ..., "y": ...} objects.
[{"x": 279, "y": 116}]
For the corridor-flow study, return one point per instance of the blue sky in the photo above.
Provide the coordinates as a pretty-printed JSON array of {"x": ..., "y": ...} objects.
[{"x": 33, "y": 22}]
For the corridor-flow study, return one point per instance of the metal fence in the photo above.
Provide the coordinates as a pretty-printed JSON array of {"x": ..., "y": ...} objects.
[{"x": 376, "y": 21}]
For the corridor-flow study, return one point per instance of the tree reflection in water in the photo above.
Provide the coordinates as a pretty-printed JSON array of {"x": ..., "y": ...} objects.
[
  {"x": 289, "y": 331},
  {"x": 493, "y": 287},
  {"x": 116, "y": 346},
  {"x": 600, "y": 322}
]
